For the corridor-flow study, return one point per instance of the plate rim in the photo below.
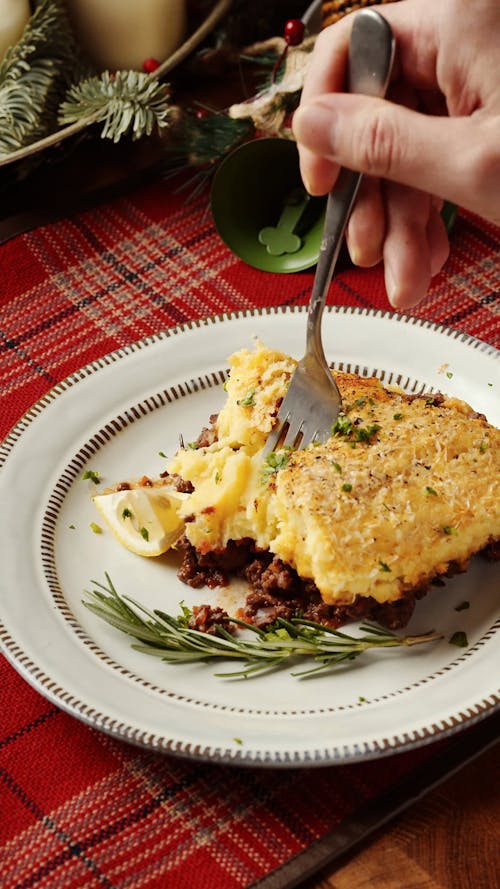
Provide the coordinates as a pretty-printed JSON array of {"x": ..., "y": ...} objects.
[{"x": 44, "y": 684}]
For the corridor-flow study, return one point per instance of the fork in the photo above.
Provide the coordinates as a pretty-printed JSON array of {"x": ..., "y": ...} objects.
[{"x": 313, "y": 402}]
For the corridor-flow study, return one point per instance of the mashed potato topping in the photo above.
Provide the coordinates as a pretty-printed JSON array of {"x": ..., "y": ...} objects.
[{"x": 405, "y": 488}]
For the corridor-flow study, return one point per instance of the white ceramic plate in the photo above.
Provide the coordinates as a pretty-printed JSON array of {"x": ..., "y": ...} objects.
[{"x": 115, "y": 416}]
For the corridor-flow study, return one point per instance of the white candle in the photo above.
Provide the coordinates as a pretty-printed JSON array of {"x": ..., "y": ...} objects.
[
  {"x": 123, "y": 33},
  {"x": 13, "y": 17}
]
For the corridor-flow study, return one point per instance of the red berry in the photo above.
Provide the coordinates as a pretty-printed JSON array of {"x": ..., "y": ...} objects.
[
  {"x": 294, "y": 32},
  {"x": 150, "y": 65}
]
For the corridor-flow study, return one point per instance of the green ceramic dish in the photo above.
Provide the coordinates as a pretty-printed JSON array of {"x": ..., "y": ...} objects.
[{"x": 249, "y": 192}]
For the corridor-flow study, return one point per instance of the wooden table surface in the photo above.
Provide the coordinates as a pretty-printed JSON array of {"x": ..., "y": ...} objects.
[{"x": 450, "y": 839}]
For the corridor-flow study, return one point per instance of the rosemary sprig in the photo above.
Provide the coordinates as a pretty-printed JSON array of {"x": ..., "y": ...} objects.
[{"x": 170, "y": 638}]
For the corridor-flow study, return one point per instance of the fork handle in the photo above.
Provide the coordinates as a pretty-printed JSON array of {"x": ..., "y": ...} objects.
[
  {"x": 338, "y": 209},
  {"x": 371, "y": 54}
]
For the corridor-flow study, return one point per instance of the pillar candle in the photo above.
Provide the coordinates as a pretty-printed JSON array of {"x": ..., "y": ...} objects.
[
  {"x": 118, "y": 34},
  {"x": 13, "y": 17}
]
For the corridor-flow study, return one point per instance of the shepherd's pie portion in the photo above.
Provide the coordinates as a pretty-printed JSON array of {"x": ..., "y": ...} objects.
[{"x": 406, "y": 489}]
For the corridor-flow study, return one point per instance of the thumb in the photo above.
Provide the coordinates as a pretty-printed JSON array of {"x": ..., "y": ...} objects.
[{"x": 454, "y": 158}]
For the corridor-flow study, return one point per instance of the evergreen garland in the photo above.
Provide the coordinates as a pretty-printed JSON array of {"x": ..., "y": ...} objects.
[
  {"x": 34, "y": 74},
  {"x": 45, "y": 84}
]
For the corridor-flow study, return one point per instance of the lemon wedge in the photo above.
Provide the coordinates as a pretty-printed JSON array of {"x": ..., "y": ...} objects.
[{"x": 143, "y": 519}]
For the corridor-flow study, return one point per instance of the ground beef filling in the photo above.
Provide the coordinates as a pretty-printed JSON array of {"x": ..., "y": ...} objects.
[
  {"x": 492, "y": 551},
  {"x": 276, "y": 590},
  {"x": 208, "y": 619}
]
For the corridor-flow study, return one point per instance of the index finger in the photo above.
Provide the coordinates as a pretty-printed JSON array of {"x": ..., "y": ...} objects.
[{"x": 326, "y": 73}]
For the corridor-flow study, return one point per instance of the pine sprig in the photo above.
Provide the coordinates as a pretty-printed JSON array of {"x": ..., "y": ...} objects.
[
  {"x": 171, "y": 639},
  {"x": 34, "y": 74},
  {"x": 126, "y": 101}
]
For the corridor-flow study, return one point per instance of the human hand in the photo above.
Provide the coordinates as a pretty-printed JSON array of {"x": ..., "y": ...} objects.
[{"x": 436, "y": 136}]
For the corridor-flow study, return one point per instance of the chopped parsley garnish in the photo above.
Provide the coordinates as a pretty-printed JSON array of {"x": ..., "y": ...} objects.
[
  {"x": 217, "y": 478},
  {"x": 185, "y": 616},
  {"x": 193, "y": 445},
  {"x": 237, "y": 741},
  {"x": 449, "y": 374},
  {"x": 91, "y": 475},
  {"x": 449, "y": 530},
  {"x": 248, "y": 400},
  {"x": 463, "y": 606},
  {"x": 72, "y": 527},
  {"x": 361, "y": 699},
  {"x": 384, "y": 566},
  {"x": 337, "y": 467},
  {"x": 145, "y": 533},
  {"x": 347, "y": 487},
  {"x": 342, "y": 426},
  {"x": 431, "y": 491},
  {"x": 366, "y": 433},
  {"x": 347, "y": 429},
  {"x": 96, "y": 528},
  {"x": 161, "y": 454},
  {"x": 275, "y": 461},
  {"x": 397, "y": 417},
  {"x": 459, "y": 639},
  {"x": 483, "y": 447},
  {"x": 126, "y": 514}
]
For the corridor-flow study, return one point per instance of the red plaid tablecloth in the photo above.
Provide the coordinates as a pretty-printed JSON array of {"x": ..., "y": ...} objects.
[{"x": 77, "y": 808}]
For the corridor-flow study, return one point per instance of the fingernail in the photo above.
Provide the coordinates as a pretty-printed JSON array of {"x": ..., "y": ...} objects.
[
  {"x": 355, "y": 254},
  {"x": 305, "y": 180},
  {"x": 398, "y": 296},
  {"x": 364, "y": 253}
]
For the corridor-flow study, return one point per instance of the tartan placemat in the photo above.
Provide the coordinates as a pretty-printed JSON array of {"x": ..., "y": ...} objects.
[{"x": 77, "y": 808}]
